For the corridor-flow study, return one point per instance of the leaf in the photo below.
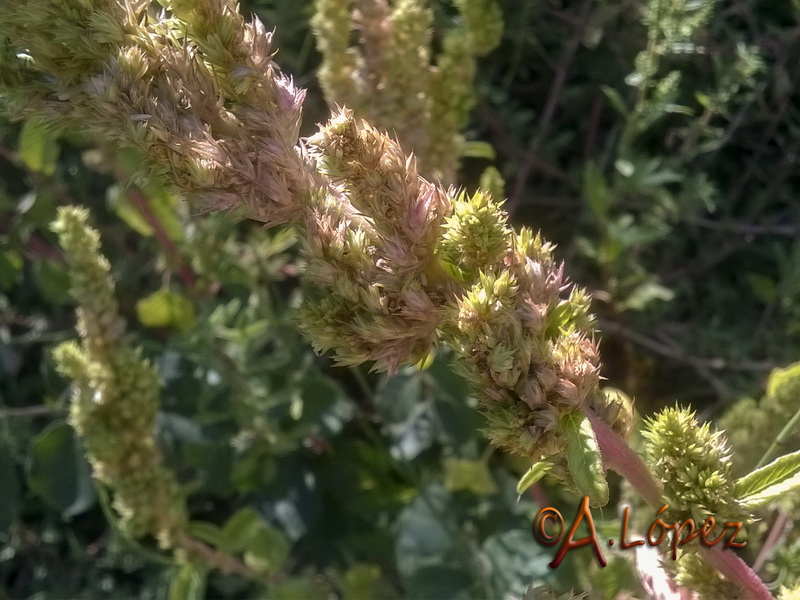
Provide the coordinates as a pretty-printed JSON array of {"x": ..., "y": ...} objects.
[
  {"x": 38, "y": 146},
  {"x": 240, "y": 529},
  {"x": 583, "y": 458},
  {"x": 9, "y": 489},
  {"x": 58, "y": 472},
  {"x": 469, "y": 476},
  {"x": 360, "y": 581},
  {"x": 160, "y": 204},
  {"x": 595, "y": 191},
  {"x": 187, "y": 584},
  {"x": 297, "y": 588},
  {"x": 516, "y": 559},
  {"x": 645, "y": 293},
  {"x": 267, "y": 550},
  {"x": 424, "y": 363},
  {"x": 534, "y": 474},
  {"x": 10, "y": 266},
  {"x": 768, "y": 483},
  {"x": 424, "y": 532},
  {"x": 478, "y": 150},
  {"x": 165, "y": 308},
  {"x": 615, "y": 98},
  {"x": 52, "y": 280},
  {"x": 209, "y": 533}
]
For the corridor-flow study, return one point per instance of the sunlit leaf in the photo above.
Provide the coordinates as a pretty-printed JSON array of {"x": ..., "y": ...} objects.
[
  {"x": 770, "y": 482},
  {"x": 38, "y": 146},
  {"x": 534, "y": 474},
  {"x": 583, "y": 458},
  {"x": 188, "y": 583},
  {"x": 166, "y": 308}
]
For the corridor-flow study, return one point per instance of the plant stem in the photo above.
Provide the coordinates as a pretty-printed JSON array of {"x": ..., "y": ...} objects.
[
  {"x": 782, "y": 437},
  {"x": 139, "y": 200},
  {"x": 215, "y": 558},
  {"x": 618, "y": 456}
]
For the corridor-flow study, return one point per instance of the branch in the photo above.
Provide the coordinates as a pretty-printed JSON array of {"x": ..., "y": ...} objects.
[{"x": 215, "y": 558}]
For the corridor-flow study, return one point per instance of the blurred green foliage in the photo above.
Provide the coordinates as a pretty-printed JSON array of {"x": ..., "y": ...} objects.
[{"x": 655, "y": 142}]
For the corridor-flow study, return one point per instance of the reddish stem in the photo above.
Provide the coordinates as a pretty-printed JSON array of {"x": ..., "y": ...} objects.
[
  {"x": 618, "y": 456},
  {"x": 139, "y": 200}
]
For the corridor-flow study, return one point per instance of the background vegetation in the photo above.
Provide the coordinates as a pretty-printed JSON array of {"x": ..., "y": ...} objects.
[{"x": 655, "y": 143}]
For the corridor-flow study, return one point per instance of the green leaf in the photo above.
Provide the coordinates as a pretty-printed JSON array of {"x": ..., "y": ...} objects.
[
  {"x": 187, "y": 584},
  {"x": 53, "y": 281},
  {"x": 58, "y": 472},
  {"x": 360, "y": 581},
  {"x": 161, "y": 205},
  {"x": 478, "y": 150},
  {"x": 297, "y": 588},
  {"x": 424, "y": 533},
  {"x": 267, "y": 551},
  {"x": 9, "y": 489},
  {"x": 770, "y": 482},
  {"x": 166, "y": 308},
  {"x": 645, "y": 293},
  {"x": 583, "y": 458},
  {"x": 469, "y": 476},
  {"x": 240, "y": 529},
  {"x": 516, "y": 559},
  {"x": 615, "y": 98},
  {"x": 595, "y": 191},
  {"x": 207, "y": 532},
  {"x": 534, "y": 474},
  {"x": 38, "y": 146},
  {"x": 10, "y": 266}
]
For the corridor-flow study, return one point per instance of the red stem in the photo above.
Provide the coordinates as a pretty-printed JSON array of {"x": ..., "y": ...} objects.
[
  {"x": 139, "y": 200},
  {"x": 618, "y": 456}
]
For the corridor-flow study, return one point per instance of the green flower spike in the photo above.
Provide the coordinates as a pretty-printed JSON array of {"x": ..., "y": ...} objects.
[{"x": 116, "y": 393}]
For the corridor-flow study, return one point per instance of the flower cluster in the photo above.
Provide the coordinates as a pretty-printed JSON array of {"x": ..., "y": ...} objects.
[
  {"x": 392, "y": 79},
  {"x": 526, "y": 350},
  {"x": 693, "y": 463},
  {"x": 116, "y": 393},
  {"x": 397, "y": 261},
  {"x": 372, "y": 235},
  {"x": 195, "y": 96}
]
